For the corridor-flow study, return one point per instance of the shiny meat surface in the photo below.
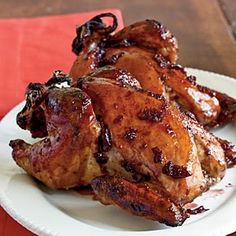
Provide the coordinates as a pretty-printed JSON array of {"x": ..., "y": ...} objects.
[
  {"x": 151, "y": 56},
  {"x": 134, "y": 119},
  {"x": 64, "y": 158},
  {"x": 138, "y": 199},
  {"x": 156, "y": 74},
  {"x": 129, "y": 123},
  {"x": 148, "y": 34}
]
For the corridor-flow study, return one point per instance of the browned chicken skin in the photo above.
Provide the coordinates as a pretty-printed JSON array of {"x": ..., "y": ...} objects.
[
  {"x": 156, "y": 74},
  {"x": 143, "y": 56},
  {"x": 64, "y": 157},
  {"x": 150, "y": 35},
  {"x": 139, "y": 199},
  {"x": 130, "y": 128}
]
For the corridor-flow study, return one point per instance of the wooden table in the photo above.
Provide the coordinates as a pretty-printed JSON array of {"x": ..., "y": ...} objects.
[{"x": 205, "y": 29}]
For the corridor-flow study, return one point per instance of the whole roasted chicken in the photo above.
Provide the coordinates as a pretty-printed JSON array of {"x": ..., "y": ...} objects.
[{"x": 128, "y": 122}]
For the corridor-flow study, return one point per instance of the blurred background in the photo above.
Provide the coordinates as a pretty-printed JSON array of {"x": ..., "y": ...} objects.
[{"x": 205, "y": 29}]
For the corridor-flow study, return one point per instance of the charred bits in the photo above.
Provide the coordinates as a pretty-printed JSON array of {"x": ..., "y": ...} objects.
[
  {"x": 104, "y": 143},
  {"x": 175, "y": 171},
  {"x": 151, "y": 114},
  {"x": 113, "y": 59},
  {"x": 157, "y": 155},
  {"x": 101, "y": 158},
  {"x": 192, "y": 79},
  {"x": 105, "y": 140},
  {"x": 196, "y": 211},
  {"x": 130, "y": 134},
  {"x": 129, "y": 167},
  {"x": 163, "y": 63}
]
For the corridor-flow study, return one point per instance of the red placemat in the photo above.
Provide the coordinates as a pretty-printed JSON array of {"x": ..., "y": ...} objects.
[{"x": 30, "y": 49}]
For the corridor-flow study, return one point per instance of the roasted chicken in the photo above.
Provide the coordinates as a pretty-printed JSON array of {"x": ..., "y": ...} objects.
[
  {"x": 62, "y": 159},
  {"x": 128, "y": 122}
]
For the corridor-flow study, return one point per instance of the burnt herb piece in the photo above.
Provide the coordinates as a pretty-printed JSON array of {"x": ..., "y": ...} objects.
[
  {"x": 151, "y": 114},
  {"x": 192, "y": 79},
  {"x": 175, "y": 171},
  {"x": 163, "y": 63},
  {"x": 95, "y": 24},
  {"x": 58, "y": 77}
]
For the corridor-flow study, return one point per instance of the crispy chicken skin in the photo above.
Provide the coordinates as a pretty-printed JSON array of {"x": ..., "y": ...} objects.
[
  {"x": 140, "y": 64},
  {"x": 144, "y": 128},
  {"x": 64, "y": 158},
  {"x": 94, "y": 37},
  {"x": 211, "y": 154},
  {"x": 139, "y": 199},
  {"x": 156, "y": 74},
  {"x": 150, "y": 35},
  {"x": 113, "y": 73}
]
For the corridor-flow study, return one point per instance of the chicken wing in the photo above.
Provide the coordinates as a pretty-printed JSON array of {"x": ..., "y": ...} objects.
[
  {"x": 139, "y": 199},
  {"x": 227, "y": 104},
  {"x": 32, "y": 116},
  {"x": 65, "y": 157}
]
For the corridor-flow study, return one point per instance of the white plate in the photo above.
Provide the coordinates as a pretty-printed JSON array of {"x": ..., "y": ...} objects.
[{"x": 48, "y": 212}]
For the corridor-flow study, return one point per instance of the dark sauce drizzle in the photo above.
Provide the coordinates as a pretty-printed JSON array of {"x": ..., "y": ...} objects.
[
  {"x": 151, "y": 114},
  {"x": 163, "y": 63},
  {"x": 104, "y": 142},
  {"x": 158, "y": 156},
  {"x": 175, "y": 171},
  {"x": 197, "y": 210}
]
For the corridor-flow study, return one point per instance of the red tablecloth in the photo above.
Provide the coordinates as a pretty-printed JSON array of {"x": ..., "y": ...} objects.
[{"x": 30, "y": 50}]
